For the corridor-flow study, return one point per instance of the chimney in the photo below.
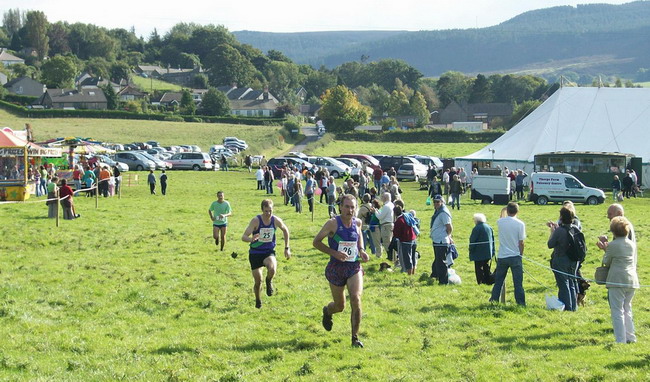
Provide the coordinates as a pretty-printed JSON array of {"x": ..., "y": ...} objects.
[
  {"x": 233, "y": 85},
  {"x": 265, "y": 95}
]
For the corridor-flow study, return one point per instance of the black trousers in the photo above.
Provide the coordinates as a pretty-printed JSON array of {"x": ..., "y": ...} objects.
[
  {"x": 152, "y": 188},
  {"x": 163, "y": 187},
  {"x": 482, "y": 270},
  {"x": 439, "y": 268},
  {"x": 310, "y": 200}
]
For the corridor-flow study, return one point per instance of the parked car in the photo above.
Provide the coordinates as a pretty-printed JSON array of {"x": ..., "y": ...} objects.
[
  {"x": 410, "y": 171},
  {"x": 276, "y": 164},
  {"x": 397, "y": 161},
  {"x": 153, "y": 144},
  {"x": 123, "y": 167},
  {"x": 369, "y": 160},
  {"x": 355, "y": 167},
  {"x": 160, "y": 164},
  {"x": 426, "y": 160},
  {"x": 135, "y": 161},
  {"x": 334, "y": 167},
  {"x": 297, "y": 155},
  {"x": 235, "y": 142},
  {"x": 191, "y": 161}
]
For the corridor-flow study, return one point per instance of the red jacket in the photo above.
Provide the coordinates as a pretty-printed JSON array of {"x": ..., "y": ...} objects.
[{"x": 402, "y": 231}]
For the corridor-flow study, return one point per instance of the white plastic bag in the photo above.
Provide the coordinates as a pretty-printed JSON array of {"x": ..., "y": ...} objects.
[
  {"x": 553, "y": 303},
  {"x": 453, "y": 277}
]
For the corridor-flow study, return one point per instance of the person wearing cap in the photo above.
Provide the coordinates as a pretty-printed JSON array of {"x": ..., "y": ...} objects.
[
  {"x": 440, "y": 235},
  {"x": 219, "y": 211}
]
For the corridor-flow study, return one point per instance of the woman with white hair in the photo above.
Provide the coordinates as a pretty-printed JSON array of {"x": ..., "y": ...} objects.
[{"x": 481, "y": 249}]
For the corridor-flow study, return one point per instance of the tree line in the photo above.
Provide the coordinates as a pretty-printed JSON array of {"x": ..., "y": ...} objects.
[{"x": 388, "y": 87}]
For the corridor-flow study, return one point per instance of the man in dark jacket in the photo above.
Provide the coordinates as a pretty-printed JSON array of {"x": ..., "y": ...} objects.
[{"x": 481, "y": 249}]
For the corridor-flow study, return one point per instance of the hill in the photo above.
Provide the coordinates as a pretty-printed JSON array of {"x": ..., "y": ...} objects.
[{"x": 587, "y": 40}]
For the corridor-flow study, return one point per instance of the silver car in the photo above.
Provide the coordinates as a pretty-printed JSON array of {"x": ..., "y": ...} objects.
[
  {"x": 135, "y": 161},
  {"x": 191, "y": 161}
]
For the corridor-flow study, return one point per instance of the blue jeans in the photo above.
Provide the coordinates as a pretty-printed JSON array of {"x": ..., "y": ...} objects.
[
  {"x": 514, "y": 263},
  {"x": 567, "y": 285},
  {"x": 455, "y": 198},
  {"x": 367, "y": 241},
  {"x": 407, "y": 257}
]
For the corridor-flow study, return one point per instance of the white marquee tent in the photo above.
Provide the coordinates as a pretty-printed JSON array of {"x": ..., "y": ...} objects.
[{"x": 579, "y": 119}]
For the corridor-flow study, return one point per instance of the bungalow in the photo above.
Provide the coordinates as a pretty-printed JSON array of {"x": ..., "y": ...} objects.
[
  {"x": 169, "y": 99},
  {"x": 183, "y": 77},
  {"x": 73, "y": 99},
  {"x": 253, "y": 108},
  {"x": 25, "y": 86},
  {"x": 309, "y": 110},
  {"x": 130, "y": 93},
  {"x": 9, "y": 59}
]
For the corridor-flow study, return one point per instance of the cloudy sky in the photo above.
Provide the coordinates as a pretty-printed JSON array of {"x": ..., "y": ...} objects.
[{"x": 289, "y": 15}]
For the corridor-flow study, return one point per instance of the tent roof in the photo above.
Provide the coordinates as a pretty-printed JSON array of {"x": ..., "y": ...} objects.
[
  {"x": 579, "y": 119},
  {"x": 9, "y": 140}
]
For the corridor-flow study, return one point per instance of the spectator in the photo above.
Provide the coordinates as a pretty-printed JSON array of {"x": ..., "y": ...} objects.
[
  {"x": 564, "y": 269},
  {"x": 151, "y": 179},
  {"x": 67, "y": 202},
  {"x": 385, "y": 216},
  {"x": 481, "y": 249},
  {"x": 406, "y": 237},
  {"x": 163, "y": 182},
  {"x": 259, "y": 176},
  {"x": 441, "y": 230},
  {"x": 622, "y": 280},
  {"x": 616, "y": 188},
  {"x": 512, "y": 233},
  {"x": 455, "y": 189}
]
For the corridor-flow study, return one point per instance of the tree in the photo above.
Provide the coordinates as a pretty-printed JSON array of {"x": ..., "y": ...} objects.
[
  {"x": 283, "y": 79},
  {"x": 187, "y": 103},
  {"x": 111, "y": 97},
  {"x": 375, "y": 97},
  {"x": 22, "y": 70},
  {"x": 317, "y": 82},
  {"x": 285, "y": 110},
  {"x": 276, "y": 55},
  {"x": 452, "y": 86},
  {"x": 59, "y": 72},
  {"x": 341, "y": 111},
  {"x": 58, "y": 35},
  {"x": 13, "y": 20},
  {"x": 200, "y": 81},
  {"x": 480, "y": 91},
  {"x": 227, "y": 65},
  {"x": 398, "y": 104},
  {"x": 419, "y": 109},
  {"x": 36, "y": 25},
  {"x": 522, "y": 110},
  {"x": 98, "y": 67},
  {"x": 384, "y": 73},
  {"x": 120, "y": 70},
  {"x": 215, "y": 103}
]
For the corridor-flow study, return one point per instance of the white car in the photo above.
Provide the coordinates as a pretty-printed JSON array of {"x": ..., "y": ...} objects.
[
  {"x": 426, "y": 160},
  {"x": 335, "y": 167},
  {"x": 355, "y": 166}
]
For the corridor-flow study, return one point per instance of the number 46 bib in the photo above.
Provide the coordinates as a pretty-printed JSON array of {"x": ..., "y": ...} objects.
[{"x": 350, "y": 249}]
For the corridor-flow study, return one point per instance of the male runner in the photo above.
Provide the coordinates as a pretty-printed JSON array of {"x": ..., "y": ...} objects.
[
  {"x": 261, "y": 236},
  {"x": 345, "y": 247}
]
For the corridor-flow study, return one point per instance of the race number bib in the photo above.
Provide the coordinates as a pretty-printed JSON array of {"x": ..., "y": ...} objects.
[
  {"x": 266, "y": 235},
  {"x": 350, "y": 249}
]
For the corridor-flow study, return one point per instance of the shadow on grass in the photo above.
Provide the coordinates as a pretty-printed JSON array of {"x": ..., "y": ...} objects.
[
  {"x": 534, "y": 342},
  {"x": 289, "y": 345},
  {"x": 174, "y": 349},
  {"x": 641, "y": 363}
]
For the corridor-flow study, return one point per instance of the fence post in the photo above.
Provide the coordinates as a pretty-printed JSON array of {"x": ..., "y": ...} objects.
[
  {"x": 97, "y": 194},
  {"x": 58, "y": 202},
  {"x": 503, "y": 293}
]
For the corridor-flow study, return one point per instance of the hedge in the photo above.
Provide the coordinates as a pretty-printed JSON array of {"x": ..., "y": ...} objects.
[
  {"x": 121, "y": 114},
  {"x": 20, "y": 99},
  {"x": 421, "y": 135}
]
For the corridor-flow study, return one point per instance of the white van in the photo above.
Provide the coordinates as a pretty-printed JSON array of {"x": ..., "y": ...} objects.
[
  {"x": 557, "y": 187},
  {"x": 488, "y": 188}
]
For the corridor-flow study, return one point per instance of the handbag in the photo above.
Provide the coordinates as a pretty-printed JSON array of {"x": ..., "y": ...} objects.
[
  {"x": 428, "y": 202},
  {"x": 600, "y": 276}
]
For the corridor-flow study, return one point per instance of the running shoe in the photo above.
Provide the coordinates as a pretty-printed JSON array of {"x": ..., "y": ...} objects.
[
  {"x": 258, "y": 304},
  {"x": 327, "y": 320},
  {"x": 269, "y": 287},
  {"x": 356, "y": 343}
]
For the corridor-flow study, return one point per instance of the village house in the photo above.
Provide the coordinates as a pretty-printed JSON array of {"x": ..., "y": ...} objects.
[
  {"x": 25, "y": 86},
  {"x": 9, "y": 59},
  {"x": 472, "y": 112},
  {"x": 73, "y": 99}
]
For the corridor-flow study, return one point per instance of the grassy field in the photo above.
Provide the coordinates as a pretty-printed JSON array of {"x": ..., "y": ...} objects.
[
  {"x": 262, "y": 139},
  {"x": 150, "y": 84},
  {"x": 644, "y": 84},
  {"x": 135, "y": 290},
  {"x": 441, "y": 150}
]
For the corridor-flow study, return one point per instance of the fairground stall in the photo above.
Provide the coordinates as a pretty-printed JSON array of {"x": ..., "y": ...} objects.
[{"x": 15, "y": 156}]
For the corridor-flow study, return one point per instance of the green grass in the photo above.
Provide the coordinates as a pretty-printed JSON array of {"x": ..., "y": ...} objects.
[
  {"x": 262, "y": 139},
  {"x": 135, "y": 290},
  {"x": 149, "y": 85},
  {"x": 643, "y": 84},
  {"x": 442, "y": 150}
]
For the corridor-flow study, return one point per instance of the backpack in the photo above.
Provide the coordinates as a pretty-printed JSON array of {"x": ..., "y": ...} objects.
[
  {"x": 366, "y": 220},
  {"x": 577, "y": 250}
]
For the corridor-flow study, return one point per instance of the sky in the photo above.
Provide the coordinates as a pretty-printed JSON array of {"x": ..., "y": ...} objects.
[{"x": 289, "y": 15}]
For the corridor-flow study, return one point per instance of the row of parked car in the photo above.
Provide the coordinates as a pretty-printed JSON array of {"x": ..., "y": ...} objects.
[
  {"x": 410, "y": 167},
  {"x": 150, "y": 155}
]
